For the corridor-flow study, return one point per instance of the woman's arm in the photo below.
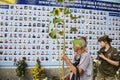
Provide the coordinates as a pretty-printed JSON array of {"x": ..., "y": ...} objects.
[
  {"x": 115, "y": 63},
  {"x": 71, "y": 66},
  {"x": 67, "y": 76}
]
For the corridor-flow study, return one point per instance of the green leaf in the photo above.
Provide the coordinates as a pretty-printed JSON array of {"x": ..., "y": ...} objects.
[
  {"x": 73, "y": 29},
  {"x": 53, "y": 33},
  {"x": 61, "y": 33},
  {"x": 49, "y": 24},
  {"x": 20, "y": 70},
  {"x": 52, "y": 13},
  {"x": 61, "y": 1},
  {"x": 66, "y": 11},
  {"x": 60, "y": 23},
  {"x": 57, "y": 20},
  {"x": 71, "y": 0},
  {"x": 74, "y": 17}
]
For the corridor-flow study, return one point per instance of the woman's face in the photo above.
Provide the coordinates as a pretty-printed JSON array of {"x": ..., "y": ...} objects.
[
  {"x": 102, "y": 44},
  {"x": 76, "y": 48}
]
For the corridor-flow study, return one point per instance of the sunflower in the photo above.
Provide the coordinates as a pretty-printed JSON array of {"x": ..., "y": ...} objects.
[{"x": 57, "y": 11}]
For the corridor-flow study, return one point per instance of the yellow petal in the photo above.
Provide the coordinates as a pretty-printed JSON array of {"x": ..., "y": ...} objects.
[
  {"x": 42, "y": 68},
  {"x": 57, "y": 11}
]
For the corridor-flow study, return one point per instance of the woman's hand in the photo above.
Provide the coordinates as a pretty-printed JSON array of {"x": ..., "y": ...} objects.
[
  {"x": 64, "y": 57},
  {"x": 66, "y": 77},
  {"x": 116, "y": 63},
  {"x": 102, "y": 56}
]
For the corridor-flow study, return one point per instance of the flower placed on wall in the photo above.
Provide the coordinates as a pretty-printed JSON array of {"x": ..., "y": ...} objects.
[
  {"x": 21, "y": 68},
  {"x": 37, "y": 72}
]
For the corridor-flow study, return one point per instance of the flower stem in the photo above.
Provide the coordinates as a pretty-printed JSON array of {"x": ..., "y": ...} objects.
[{"x": 63, "y": 46}]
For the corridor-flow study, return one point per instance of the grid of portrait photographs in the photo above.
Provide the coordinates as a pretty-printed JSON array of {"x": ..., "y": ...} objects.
[{"x": 24, "y": 33}]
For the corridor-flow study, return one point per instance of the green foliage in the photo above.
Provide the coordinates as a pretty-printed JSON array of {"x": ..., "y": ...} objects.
[
  {"x": 71, "y": 0},
  {"x": 74, "y": 17},
  {"x": 61, "y": 33},
  {"x": 37, "y": 71},
  {"x": 61, "y": 1},
  {"x": 73, "y": 29},
  {"x": 96, "y": 64},
  {"x": 54, "y": 32},
  {"x": 59, "y": 16},
  {"x": 66, "y": 10},
  {"x": 21, "y": 68},
  {"x": 57, "y": 20}
]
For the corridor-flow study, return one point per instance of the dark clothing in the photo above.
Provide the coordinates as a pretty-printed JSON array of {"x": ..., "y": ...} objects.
[{"x": 106, "y": 68}]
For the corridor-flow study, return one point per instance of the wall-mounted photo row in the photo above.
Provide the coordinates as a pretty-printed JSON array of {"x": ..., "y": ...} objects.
[{"x": 24, "y": 33}]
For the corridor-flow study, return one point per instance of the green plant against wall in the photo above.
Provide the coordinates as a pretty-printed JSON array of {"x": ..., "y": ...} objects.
[
  {"x": 38, "y": 72},
  {"x": 59, "y": 15},
  {"x": 21, "y": 68}
]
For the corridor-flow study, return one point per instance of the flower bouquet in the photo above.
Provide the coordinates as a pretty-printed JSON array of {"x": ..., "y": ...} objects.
[
  {"x": 21, "y": 68},
  {"x": 37, "y": 72}
]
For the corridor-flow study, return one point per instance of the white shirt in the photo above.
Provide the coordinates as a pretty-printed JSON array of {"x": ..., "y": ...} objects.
[{"x": 86, "y": 64}]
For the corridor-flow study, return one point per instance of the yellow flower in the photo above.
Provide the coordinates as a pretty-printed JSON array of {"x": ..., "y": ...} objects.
[
  {"x": 96, "y": 61},
  {"x": 57, "y": 11},
  {"x": 37, "y": 71},
  {"x": 42, "y": 68},
  {"x": 33, "y": 70},
  {"x": 117, "y": 72}
]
